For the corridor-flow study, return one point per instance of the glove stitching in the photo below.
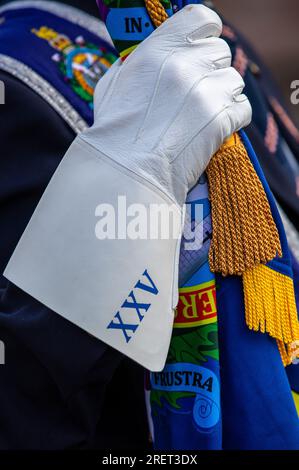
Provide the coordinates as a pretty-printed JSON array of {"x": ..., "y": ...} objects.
[
  {"x": 204, "y": 127},
  {"x": 150, "y": 105},
  {"x": 162, "y": 135},
  {"x": 101, "y": 155}
]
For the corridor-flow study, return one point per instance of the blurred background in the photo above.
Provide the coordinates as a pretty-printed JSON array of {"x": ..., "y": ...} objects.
[{"x": 272, "y": 27}]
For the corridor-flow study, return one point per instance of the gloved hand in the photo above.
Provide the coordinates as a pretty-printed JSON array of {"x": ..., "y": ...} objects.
[
  {"x": 159, "y": 117},
  {"x": 168, "y": 108}
]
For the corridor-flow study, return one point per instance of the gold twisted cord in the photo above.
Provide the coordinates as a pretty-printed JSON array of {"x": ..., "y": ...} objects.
[
  {"x": 156, "y": 12},
  {"x": 245, "y": 234}
]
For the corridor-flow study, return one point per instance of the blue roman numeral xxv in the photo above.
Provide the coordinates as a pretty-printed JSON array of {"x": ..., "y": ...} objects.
[{"x": 139, "y": 308}]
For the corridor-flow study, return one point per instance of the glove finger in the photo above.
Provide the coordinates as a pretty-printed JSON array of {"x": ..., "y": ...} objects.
[
  {"x": 190, "y": 25},
  {"x": 229, "y": 79},
  {"x": 240, "y": 113},
  {"x": 219, "y": 52},
  {"x": 213, "y": 52},
  {"x": 208, "y": 97}
]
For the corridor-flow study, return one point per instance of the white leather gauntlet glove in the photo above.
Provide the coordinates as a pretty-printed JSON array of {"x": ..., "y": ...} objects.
[{"x": 159, "y": 117}]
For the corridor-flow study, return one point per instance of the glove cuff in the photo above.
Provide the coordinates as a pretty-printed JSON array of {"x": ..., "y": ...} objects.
[{"x": 64, "y": 261}]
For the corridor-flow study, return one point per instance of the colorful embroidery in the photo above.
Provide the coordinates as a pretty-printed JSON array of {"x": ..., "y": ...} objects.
[
  {"x": 81, "y": 63},
  {"x": 197, "y": 306}
]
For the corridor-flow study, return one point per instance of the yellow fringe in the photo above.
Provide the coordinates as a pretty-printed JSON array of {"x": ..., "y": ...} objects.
[
  {"x": 244, "y": 232},
  {"x": 270, "y": 307},
  {"x": 296, "y": 400}
]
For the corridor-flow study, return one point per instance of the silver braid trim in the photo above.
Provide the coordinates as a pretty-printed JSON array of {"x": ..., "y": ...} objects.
[
  {"x": 45, "y": 90},
  {"x": 67, "y": 12}
]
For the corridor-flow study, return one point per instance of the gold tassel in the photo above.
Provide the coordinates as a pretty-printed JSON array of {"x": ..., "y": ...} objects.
[
  {"x": 244, "y": 232},
  {"x": 270, "y": 307}
]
